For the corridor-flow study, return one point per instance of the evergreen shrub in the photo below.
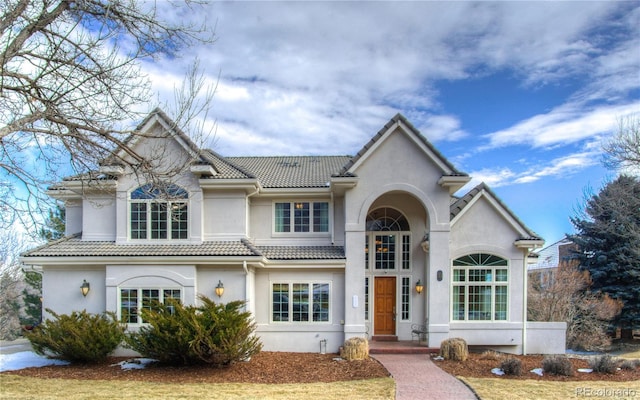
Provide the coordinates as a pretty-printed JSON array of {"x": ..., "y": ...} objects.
[
  {"x": 511, "y": 366},
  {"x": 604, "y": 364},
  {"x": 212, "y": 333},
  {"x": 557, "y": 365},
  {"x": 77, "y": 337}
]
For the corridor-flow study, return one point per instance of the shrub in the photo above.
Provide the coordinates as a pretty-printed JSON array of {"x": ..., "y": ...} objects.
[
  {"x": 604, "y": 364},
  {"x": 77, "y": 337},
  {"x": 355, "y": 348},
  {"x": 491, "y": 355},
  {"x": 557, "y": 365},
  {"x": 216, "y": 334},
  {"x": 455, "y": 349},
  {"x": 511, "y": 366},
  {"x": 630, "y": 364}
]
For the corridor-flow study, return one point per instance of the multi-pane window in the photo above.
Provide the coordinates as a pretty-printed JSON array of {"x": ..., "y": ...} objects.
[
  {"x": 405, "y": 298},
  {"x": 480, "y": 287},
  {"x": 366, "y": 298},
  {"x": 158, "y": 213},
  {"x": 386, "y": 246},
  {"x": 300, "y": 302},
  {"x": 301, "y": 217},
  {"x": 406, "y": 252},
  {"x": 134, "y": 300},
  {"x": 385, "y": 251}
]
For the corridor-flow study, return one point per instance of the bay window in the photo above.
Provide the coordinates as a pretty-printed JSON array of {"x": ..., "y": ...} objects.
[{"x": 480, "y": 288}]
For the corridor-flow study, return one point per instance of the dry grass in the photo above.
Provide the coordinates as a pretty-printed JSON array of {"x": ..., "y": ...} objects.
[
  {"x": 498, "y": 389},
  {"x": 23, "y": 388}
]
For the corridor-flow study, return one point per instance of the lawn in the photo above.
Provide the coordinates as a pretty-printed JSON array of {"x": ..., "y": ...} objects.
[
  {"x": 499, "y": 389},
  {"x": 27, "y": 388}
]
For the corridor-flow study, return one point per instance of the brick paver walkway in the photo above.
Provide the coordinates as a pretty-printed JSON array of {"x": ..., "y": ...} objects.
[{"x": 418, "y": 378}]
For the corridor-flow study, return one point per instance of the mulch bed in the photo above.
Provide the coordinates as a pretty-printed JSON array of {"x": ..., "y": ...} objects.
[
  {"x": 265, "y": 367},
  {"x": 477, "y": 367},
  {"x": 282, "y": 367}
]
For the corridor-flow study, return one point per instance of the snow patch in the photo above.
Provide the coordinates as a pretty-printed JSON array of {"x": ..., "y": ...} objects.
[
  {"x": 26, "y": 359},
  {"x": 497, "y": 371},
  {"x": 136, "y": 363},
  {"x": 538, "y": 371},
  {"x": 585, "y": 370}
]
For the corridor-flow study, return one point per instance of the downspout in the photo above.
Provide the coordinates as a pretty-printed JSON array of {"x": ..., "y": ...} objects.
[
  {"x": 524, "y": 303},
  {"x": 333, "y": 231}
]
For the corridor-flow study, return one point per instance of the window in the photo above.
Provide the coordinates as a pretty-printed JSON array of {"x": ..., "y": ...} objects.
[
  {"x": 158, "y": 213},
  {"x": 366, "y": 298},
  {"x": 132, "y": 300},
  {"x": 301, "y": 217},
  {"x": 300, "y": 302},
  {"x": 387, "y": 245},
  {"x": 480, "y": 288},
  {"x": 405, "y": 298}
]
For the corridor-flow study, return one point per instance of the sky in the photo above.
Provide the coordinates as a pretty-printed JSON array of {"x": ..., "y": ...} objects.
[{"x": 519, "y": 95}]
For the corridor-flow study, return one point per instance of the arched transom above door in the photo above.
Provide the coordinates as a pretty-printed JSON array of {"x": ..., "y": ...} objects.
[{"x": 387, "y": 219}]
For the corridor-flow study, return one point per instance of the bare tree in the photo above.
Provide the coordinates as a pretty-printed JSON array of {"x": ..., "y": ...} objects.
[
  {"x": 71, "y": 85},
  {"x": 11, "y": 285},
  {"x": 622, "y": 151},
  {"x": 566, "y": 297}
]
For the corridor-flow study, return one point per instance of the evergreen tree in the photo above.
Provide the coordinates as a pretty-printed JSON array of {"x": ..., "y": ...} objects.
[
  {"x": 54, "y": 227},
  {"x": 608, "y": 235}
]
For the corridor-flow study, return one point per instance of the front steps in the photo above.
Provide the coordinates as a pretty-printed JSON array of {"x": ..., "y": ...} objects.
[{"x": 389, "y": 345}]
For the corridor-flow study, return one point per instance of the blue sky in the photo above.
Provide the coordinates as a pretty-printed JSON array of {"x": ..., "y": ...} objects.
[{"x": 519, "y": 95}]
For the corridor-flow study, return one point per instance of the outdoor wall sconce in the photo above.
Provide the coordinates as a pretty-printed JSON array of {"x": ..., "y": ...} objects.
[
  {"x": 439, "y": 275},
  {"x": 425, "y": 243},
  {"x": 419, "y": 287},
  {"x": 220, "y": 288},
  {"x": 85, "y": 287}
]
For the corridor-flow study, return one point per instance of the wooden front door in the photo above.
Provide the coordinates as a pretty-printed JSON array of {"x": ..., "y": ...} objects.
[{"x": 385, "y": 306}]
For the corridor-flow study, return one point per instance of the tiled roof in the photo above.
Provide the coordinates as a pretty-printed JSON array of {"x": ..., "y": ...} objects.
[
  {"x": 461, "y": 203},
  {"x": 292, "y": 171},
  {"x": 302, "y": 252},
  {"x": 73, "y": 246}
]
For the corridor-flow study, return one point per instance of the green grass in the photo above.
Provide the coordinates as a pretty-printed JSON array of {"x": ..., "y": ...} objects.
[
  {"x": 23, "y": 388},
  {"x": 498, "y": 389}
]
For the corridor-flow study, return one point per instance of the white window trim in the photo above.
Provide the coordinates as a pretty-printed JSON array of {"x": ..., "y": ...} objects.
[
  {"x": 399, "y": 251},
  {"x": 303, "y": 282},
  {"x": 161, "y": 290},
  {"x": 148, "y": 240},
  {"x": 292, "y": 233},
  {"x": 410, "y": 278},
  {"x": 493, "y": 285}
]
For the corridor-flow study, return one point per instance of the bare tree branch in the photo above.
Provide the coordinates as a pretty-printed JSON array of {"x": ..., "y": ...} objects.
[
  {"x": 71, "y": 87},
  {"x": 622, "y": 151}
]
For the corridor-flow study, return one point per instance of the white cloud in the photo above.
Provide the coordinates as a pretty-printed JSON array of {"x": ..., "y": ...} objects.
[
  {"x": 442, "y": 128},
  {"x": 563, "y": 125}
]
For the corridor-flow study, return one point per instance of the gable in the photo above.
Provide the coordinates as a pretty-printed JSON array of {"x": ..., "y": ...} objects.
[
  {"x": 396, "y": 126},
  {"x": 480, "y": 216}
]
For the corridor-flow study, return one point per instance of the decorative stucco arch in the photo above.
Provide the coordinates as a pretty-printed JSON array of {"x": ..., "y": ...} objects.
[{"x": 418, "y": 194}]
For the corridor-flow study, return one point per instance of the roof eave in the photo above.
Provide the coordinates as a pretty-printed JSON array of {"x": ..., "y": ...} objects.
[
  {"x": 529, "y": 243},
  {"x": 140, "y": 260},
  {"x": 453, "y": 182}
]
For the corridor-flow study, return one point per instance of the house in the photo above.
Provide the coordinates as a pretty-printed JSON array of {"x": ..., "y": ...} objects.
[
  {"x": 321, "y": 248},
  {"x": 546, "y": 262}
]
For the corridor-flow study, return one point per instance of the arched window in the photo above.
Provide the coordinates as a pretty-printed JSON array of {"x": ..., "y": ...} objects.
[
  {"x": 158, "y": 212},
  {"x": 480, "y": 288},
  {"x": 387, "y": 219},
  {"x": 390, "y": 238}
]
